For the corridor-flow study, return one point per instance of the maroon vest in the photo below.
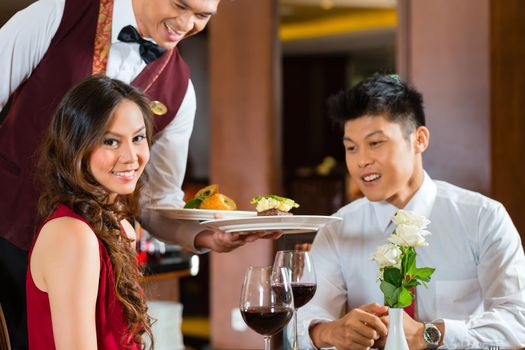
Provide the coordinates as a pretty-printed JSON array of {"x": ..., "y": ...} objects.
[{"x": 68, "y": 60}]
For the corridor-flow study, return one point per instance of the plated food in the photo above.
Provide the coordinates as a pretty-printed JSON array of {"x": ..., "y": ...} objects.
[
  {"x": 210, "y": 198},
  {"x": 209, "y": 204},
  {"x": 273, "y": 205}
]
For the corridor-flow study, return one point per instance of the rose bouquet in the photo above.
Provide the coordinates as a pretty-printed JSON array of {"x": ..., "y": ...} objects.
[{"x": 397, "y": 260}]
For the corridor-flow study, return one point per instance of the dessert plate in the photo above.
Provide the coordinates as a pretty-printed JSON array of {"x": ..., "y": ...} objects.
[
  {"x": 204, "y": 214},
  {"x": 286, "y": 224}
]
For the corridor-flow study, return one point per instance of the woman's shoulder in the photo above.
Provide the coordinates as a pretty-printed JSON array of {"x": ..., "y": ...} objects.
[
  {"x": 68, "y": 229},
  {"x": 66, "y": 246},
  {"x": 67, "y": 237}
]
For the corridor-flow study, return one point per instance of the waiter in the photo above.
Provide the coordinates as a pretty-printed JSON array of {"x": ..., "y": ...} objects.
[{"x": 50, "y": 46}]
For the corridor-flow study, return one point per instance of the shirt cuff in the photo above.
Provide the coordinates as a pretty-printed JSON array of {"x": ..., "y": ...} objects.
[
  {"x": 455, "y": 334},
  {"x": 182, "y": 232},
  {"x": 304, "y": 333},
  {"x": 192, "y": 229}
]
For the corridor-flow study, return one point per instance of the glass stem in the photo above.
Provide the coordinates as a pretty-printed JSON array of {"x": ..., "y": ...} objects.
[
  {"x": 295, "y": 345},
  {"x": 267, "y": 342}
]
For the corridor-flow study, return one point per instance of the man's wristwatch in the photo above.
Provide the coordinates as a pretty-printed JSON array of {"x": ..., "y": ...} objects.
[{"x": 431, "y": 335}]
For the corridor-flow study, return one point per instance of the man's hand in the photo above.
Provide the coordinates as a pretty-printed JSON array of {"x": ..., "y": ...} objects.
[
  {"x": 414, "y": 332},
  {"x": 358, "y": 329},
  {"x": 222, "y": 242}
]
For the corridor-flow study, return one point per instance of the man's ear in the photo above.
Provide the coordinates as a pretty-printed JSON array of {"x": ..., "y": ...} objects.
[{"x": 422, "y": 139}]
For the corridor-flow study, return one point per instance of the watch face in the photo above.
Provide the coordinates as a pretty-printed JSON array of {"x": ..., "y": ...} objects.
[{"x": 431, "y": 334}]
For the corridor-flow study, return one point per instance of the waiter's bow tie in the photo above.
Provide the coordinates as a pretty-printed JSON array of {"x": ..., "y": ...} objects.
[{"x": 148, "y": 51}]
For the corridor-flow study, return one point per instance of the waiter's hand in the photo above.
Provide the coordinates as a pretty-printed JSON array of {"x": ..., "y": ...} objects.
[
  {"x": 358, "y": 329},
  {"x": 222, "y": 242}
]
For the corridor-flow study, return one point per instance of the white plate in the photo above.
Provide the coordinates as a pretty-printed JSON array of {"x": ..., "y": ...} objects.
[
  {"x": 204, "y": 214},
  {"x": 287, "y": 224}
]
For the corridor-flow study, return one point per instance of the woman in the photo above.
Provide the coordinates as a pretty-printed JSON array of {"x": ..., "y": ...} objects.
[{"x": 82, "y": 282}]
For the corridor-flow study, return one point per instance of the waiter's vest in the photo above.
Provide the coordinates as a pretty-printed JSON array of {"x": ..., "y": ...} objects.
[{"x": 68, "y": 60}]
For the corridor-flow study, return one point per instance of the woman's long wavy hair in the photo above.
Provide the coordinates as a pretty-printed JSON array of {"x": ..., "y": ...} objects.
[{"x": 78, "y": 126}]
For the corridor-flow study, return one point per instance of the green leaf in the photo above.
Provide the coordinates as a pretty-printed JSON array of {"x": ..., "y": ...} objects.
[
  {"x": 388, "y": 290},
  {"x": 193, "y": 203},
  {"x": 405, "y": 298},
  {"x": 409, "y": 261},
  {"x": 395, "y": 296},
  {"x": 393, "y": 276},
  {"x": 424, "y": 273}
]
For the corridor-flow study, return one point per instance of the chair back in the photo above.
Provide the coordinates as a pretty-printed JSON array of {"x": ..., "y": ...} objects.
[{"x": 4, "y": 334}]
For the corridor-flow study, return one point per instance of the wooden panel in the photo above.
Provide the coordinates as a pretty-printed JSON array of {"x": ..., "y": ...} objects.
[
  {"x": 403, "y": 39},
  {"x": 508, "y": 97},
  {"x": 443, "y": 50},
  {"x": 245, "y": 145}
]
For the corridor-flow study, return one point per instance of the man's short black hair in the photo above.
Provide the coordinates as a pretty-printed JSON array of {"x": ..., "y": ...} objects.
[{"x": 379, "y": 95}]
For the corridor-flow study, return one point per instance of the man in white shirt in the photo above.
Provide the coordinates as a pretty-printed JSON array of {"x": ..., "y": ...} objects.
[
  {"x": 476, "y": 297},
  {"x": 25, "y": 44}
]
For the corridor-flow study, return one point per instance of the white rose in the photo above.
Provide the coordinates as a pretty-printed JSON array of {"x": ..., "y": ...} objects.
[
  {"x": 407, "y": 217},
  {"x": 409, "y": 236},
  {"x": 387, "y": 255}
]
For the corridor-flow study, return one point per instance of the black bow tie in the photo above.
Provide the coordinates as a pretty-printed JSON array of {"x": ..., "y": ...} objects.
[{"x": 148, "y": 51}]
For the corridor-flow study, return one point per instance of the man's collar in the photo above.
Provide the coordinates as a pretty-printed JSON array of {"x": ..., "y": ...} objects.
[
  {"x": 384, "y": 212},
  {"x": 123, "y": 15},
  {"x": 422, "y": 203},
  {"x": 424, "y": 199}
]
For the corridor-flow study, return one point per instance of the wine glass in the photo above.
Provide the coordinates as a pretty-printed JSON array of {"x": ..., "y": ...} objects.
[
  {"x": 266, "y": 301},
  {"x": 302, "y": 277}
]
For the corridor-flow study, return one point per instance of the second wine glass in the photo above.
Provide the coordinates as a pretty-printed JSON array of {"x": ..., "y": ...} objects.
[
  {"x": 302, "y": 278},
  {"x": 266, "y": 301}
]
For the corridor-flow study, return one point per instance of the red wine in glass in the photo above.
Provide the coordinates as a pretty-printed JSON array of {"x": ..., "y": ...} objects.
[
  {"x": 302, "y": 277},
  {"x": 264, "y": 308},
  {"x": 302, "y": 292},
  {"x": 267, "y": 320}
]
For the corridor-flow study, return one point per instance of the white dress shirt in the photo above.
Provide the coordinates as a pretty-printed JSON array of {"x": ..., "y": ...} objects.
[
  {"x": 477, "y": 290},
  {"x": 24, "y": 40}
]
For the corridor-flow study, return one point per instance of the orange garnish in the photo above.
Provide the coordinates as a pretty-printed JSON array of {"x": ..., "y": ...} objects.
[{"x": 218, "y": 201}]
